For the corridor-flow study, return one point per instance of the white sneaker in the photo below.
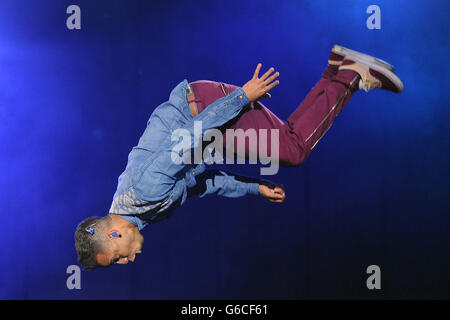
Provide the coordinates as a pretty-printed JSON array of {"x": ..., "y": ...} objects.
[{"x": 339, "y": 53}]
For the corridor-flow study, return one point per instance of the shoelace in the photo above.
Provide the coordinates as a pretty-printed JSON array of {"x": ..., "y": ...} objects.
[{"x": 368, "y": 82}]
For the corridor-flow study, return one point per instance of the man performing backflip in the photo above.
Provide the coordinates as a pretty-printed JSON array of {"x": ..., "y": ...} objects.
[{"x": 152, "y": 184}]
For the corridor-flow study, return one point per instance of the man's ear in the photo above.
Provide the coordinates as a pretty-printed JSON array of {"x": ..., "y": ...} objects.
[
  {"x": 114, "y": 233},
  {"x": 102, "y": 259}
]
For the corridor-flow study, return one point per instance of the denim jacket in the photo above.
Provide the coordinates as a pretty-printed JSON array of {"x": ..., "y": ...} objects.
[{"x": 152, "y": 185}]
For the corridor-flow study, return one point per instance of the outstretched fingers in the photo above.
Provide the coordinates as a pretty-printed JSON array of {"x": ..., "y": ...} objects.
[
  {"x": 268, "y": 81},
  {"x": 272, "y": 85},
  {"x": 268, "y": 72},
  {"x": 273, "y": 77},
  {"x": 258, "y": 68},
  {"x": 257, "y": 87}
]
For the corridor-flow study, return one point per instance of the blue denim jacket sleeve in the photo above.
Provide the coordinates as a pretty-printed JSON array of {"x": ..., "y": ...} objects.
[
  {"x": 224, "y": 184},
  {"x": 161, "y": 169},
  {"x": 138, "y": 222}
]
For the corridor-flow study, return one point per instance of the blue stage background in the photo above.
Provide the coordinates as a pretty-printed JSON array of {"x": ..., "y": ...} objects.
[{"x": 374, "y": 191}]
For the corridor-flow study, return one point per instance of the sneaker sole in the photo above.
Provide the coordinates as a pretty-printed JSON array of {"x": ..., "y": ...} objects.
[
  {"x": 390, "y": 75},
  {"x": 361, "y": 57}
]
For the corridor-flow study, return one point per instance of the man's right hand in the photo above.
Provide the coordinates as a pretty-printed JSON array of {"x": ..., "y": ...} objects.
[
  {"x": 272, "y": 192},
  {"x": 259, "y": 87}
]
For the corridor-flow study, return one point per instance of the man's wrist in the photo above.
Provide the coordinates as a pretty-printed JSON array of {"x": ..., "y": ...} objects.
[
  {"x": 253, "y": 188},
  {"x": 243, "y": 95}
]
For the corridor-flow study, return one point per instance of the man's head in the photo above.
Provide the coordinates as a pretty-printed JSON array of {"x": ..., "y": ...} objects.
[{"x": 101, "y": 242}]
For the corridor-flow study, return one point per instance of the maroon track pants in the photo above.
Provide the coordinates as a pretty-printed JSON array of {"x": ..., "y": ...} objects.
[{"x": 303, "y": 129}]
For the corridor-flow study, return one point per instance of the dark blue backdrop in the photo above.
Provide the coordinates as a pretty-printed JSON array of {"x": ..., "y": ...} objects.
[{"x": 374, "y": 191}]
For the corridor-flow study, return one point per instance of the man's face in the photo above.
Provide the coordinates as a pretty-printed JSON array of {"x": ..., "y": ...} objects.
[{"x": 122, "y": 249}]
